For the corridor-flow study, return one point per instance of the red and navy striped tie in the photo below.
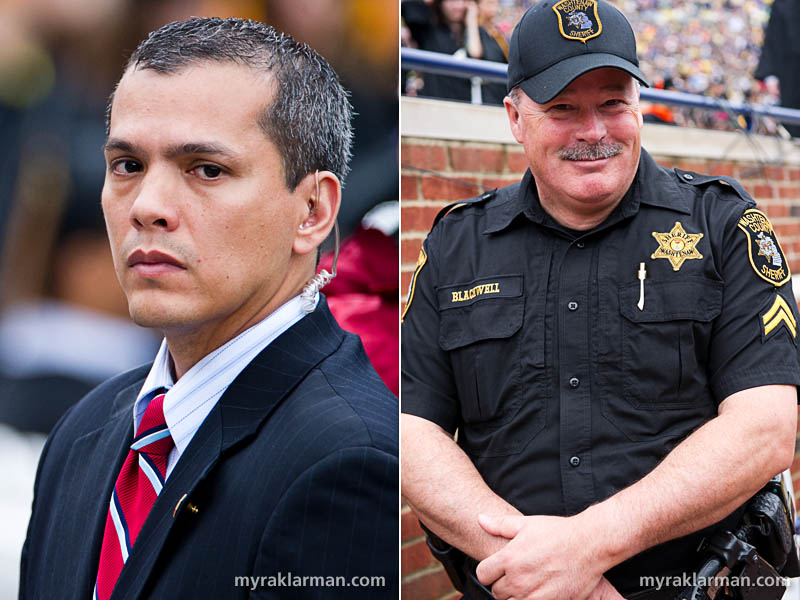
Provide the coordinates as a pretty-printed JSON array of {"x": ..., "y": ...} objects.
[{"x": 137, "y": 487}]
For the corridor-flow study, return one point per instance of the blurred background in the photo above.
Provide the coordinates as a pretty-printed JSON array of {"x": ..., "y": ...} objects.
[
  {"x": 710, "y": 48},
  {"x": 64, "y": 323}
]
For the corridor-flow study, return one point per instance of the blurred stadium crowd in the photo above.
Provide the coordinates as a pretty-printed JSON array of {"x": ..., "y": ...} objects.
[{"x": 710, "y": 48}]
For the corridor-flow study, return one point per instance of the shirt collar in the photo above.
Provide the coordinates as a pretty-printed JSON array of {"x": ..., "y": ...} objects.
[
  {"x": 651, "y": 185},
  {"x": 201, "y": 386},
  {"x": 659, "y": 187}
]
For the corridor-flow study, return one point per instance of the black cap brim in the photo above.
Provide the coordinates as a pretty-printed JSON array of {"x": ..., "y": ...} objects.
[{"x": 544, "y": 86}]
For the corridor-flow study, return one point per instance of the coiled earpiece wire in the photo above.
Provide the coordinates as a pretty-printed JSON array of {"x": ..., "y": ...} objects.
[{"x": 323, "y": 278}]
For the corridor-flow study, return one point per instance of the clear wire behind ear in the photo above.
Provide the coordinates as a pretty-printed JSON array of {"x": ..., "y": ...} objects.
[{"x": 321, "y": 279}]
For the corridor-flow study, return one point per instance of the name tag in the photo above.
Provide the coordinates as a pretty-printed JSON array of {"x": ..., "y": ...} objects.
[{"x": 485, "y": 288}]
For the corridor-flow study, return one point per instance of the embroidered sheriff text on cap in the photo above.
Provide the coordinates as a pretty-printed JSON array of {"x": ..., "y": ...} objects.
[{"x": 556, "y": 42}]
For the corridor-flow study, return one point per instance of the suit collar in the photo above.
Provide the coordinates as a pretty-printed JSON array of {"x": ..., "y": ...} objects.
[{"x": 242, "y": 409}]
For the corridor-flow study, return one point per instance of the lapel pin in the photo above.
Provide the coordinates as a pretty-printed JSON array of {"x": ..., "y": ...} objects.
[{"x": 189, "y": 506}]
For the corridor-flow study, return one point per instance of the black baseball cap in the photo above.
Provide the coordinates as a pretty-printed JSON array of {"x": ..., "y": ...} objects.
[{"x": 556, "y": 42}]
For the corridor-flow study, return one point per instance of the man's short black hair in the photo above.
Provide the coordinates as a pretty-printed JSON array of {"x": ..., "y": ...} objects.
[{"x": 308, "y": 119}]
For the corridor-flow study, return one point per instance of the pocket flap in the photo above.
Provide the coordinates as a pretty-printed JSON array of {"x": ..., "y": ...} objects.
[
  {"x": 487, "y": 308},
  {"x": 690, "y": 298}
]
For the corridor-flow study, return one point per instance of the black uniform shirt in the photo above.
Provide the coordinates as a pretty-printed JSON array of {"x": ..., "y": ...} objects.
[{"x": 528, "y": 338}]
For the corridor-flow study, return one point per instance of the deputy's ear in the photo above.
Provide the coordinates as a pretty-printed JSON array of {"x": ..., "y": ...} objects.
[
  {"x": 322, "y": 193},
  {"x": 513, "y": 118}
]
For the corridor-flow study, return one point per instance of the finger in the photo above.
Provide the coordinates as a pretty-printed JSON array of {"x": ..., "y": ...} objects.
[
  {"x": 500, "y": 589},
  {"x": 608, "y": 591},
  {"x": 507, "y": 527},
  {"x": 489, "y": 570},
  {"x": 613, "y": 594}
]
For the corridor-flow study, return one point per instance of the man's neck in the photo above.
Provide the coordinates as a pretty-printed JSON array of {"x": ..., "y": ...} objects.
[
  {"x": 188, "y": 345},
  {"x": 567, "y": 215}
]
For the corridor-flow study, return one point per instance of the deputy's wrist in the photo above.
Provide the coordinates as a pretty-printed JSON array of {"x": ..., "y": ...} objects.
[{"x": 611, "y": 537}]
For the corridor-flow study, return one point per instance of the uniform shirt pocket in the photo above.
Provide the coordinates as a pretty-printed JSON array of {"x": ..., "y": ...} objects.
[
  {"x": 479, "y": 326},
  {"x": 664, "y": 355}
]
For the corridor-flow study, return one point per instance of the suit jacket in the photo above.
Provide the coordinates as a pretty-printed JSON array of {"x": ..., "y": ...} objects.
[{"x": 293, "y": 474}]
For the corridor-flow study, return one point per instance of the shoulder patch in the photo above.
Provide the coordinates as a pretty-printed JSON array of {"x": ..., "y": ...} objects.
[
  {"x": 779, "y": 313},
  {"x": 456, "y": 205},
  {"x": 698, "y": 180},
  {"x": 763, "y": 249},
  {"x": 421, "y": 260}
]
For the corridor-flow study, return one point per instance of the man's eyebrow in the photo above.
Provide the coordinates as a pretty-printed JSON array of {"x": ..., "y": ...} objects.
[
  {"x": 609, "y": 87},
  {"x": 120, "y": 145},
  {"x": 173, "y": 151},
  {"x": 199, "y": 148},
  {"x": 614, "y": 87}
]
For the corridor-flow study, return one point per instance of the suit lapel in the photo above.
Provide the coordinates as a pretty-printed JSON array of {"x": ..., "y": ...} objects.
[
  {"x": 101, "y": 454},
  {"x": 241, "y": 410}
]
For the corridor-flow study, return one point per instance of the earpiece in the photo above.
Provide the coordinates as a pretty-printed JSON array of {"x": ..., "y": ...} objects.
[
  {"x": 312, "y": 205},
  {"x": 312, "y": 288}
]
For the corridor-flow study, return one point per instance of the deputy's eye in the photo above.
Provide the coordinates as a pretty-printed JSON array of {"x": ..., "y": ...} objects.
[
  {"x": 208, "y": 171},
  {"x": 125, "y": 166}
]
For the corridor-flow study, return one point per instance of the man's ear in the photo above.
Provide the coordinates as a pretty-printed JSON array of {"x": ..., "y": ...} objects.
[
  {"x": 322, "y": 193},
  {"x": 513, "y": 118}
]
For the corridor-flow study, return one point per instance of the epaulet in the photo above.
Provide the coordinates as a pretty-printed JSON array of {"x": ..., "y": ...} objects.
[
  {"x": 696, "y": 179},
  {"x": 456, "y": 205}
]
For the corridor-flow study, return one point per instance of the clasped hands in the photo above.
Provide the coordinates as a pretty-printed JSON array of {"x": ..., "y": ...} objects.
[{"x": 547, "y": 558}]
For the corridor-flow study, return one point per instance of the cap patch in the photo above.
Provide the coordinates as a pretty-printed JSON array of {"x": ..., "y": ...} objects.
[
  {"x": 578, "y": 19},
  {"x": 763, "y": 249}
]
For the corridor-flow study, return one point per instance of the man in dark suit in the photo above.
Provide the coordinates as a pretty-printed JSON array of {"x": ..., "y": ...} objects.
[{"x": 257, "y": 456}]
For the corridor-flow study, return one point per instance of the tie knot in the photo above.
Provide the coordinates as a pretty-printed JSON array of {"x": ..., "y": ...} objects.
[{"x": 152, "y": 436}]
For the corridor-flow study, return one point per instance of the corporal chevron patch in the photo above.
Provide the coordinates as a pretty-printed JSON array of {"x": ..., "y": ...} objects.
[{"x": 780, "y": 313}]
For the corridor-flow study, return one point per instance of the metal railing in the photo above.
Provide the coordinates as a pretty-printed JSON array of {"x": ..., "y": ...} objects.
[{"x": 446, "y": 64}]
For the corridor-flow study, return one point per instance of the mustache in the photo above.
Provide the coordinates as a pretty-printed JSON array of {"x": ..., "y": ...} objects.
[{"x": 590, "y": 151}]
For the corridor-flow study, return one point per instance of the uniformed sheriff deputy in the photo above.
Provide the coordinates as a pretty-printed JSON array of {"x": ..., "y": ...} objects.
[{"x": 612, "y": 344}]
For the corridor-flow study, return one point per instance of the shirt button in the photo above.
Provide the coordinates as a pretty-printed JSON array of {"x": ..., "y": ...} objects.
[
  {"x": 574, "y": 382},
  {"x": 575, "y": 461},
  {"x": 688, "y": 176},
  {"x": 580, "y": 244},
  {"x": 572, "y": 306}
]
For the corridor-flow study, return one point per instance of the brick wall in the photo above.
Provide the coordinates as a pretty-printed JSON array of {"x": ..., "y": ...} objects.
[{"x": 436, "y": 171}]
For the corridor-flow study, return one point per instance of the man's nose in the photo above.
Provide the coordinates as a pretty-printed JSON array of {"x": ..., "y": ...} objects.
[
  {"x": 154, "y": 205},
  {"x": 591, "y": 126}
]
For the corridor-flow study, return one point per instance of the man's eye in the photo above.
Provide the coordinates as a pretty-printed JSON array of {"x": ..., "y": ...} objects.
[
  {"x": 613, "y": 102},
  {"x": 126, "y": 167},
  {"x": 208, "y": 171},
  {"x": 561, "y": 107}
]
